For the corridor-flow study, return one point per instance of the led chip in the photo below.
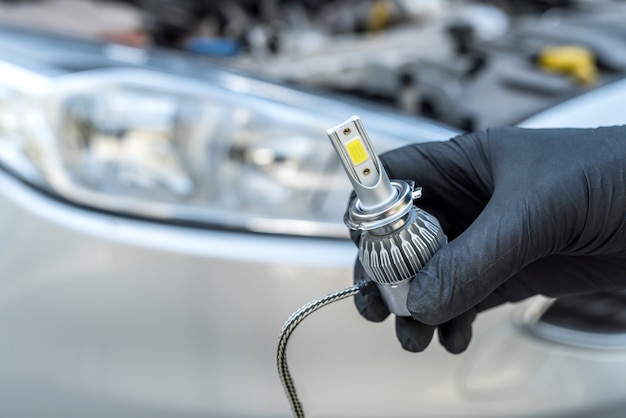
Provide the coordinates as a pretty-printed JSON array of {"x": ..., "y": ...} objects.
[{"x": 357, "y": 151}]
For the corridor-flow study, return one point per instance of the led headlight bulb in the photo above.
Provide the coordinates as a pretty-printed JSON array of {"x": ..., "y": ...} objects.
[{"x": 397, "y": 237}]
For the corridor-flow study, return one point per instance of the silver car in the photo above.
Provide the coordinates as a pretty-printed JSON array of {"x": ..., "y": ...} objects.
[{"x": 161, "y": 217}]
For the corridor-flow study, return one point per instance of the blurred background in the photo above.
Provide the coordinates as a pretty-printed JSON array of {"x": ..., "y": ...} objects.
[
  {"x": 453, "y": 61},
  {"x": 168, "y": 197}
]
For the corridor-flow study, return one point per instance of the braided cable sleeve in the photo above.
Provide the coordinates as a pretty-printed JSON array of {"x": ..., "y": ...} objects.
[{"x": 288, "y": 328}]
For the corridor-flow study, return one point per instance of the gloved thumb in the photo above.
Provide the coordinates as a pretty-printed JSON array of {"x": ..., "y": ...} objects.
[{"x": 497, "y": 245}]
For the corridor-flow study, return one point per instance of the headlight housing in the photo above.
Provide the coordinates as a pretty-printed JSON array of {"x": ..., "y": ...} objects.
[{"x": 225, "y": 151}]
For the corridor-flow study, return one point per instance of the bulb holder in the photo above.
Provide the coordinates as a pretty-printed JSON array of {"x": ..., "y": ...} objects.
[{"x": 396, "y": 242}]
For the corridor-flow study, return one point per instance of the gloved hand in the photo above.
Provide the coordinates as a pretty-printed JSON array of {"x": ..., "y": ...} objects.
[{"x": 526, "y": 211}]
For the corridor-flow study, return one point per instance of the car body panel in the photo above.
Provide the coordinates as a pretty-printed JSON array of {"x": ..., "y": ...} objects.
[
  {"x": 102, "y": 315},
  {"x": 601, "y": 107},
  {"x": 134, "y": 318}
]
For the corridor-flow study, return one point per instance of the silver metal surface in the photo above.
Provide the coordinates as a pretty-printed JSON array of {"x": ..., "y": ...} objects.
[
  {"x": 398, "y": 238},
  {"x": 601, "y": 107},
  {"x": 394, "y": 295},
  {"x": 398, "y": 256},
  {"x": 369, "y": 178},
  {"x": 393, "y": 259},
  {"x": 358, "y": 219}
]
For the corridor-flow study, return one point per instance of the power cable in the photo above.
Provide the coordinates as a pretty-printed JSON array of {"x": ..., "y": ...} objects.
[{"x": 290, "y": 325}]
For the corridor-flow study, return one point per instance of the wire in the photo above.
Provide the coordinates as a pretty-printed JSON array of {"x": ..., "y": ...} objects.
[{"x": 290, "y": 325}]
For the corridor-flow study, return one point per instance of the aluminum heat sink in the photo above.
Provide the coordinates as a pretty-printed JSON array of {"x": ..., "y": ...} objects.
[{"x": 397, "y": 237}]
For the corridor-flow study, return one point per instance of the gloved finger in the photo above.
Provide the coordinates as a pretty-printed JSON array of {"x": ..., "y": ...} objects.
[
  {"x": 553, "y": 276},
  {"x": 413, "y": 335},
  {"x": 455, "y": 179},
  {"x": 368, "y": 301},
  {"x": 440, "y": 163},
  {"x": 463, "y": 273},
  {"x": 456, "y": 334},
  {"x": 561, "y": 275}
]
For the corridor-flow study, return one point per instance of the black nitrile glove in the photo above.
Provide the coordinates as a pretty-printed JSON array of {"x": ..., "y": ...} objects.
[{"x": 527, "y": 212}]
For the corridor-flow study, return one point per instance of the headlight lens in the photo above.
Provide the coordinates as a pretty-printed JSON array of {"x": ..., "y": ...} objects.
[{"x": 171, "y": 148}]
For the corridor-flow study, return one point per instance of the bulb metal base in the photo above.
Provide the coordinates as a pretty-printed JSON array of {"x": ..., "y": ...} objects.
[{"x": 395, "y": 244}]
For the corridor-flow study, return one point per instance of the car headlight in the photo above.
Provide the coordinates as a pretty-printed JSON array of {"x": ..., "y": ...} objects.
[{"x": 225, "y": 151}]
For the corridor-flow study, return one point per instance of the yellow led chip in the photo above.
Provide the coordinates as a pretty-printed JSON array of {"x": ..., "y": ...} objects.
[{"x": 356, "y": 151}]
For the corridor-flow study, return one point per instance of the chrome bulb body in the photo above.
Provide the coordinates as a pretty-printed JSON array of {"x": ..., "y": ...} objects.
[
  {"x": 396, "y": 242},
  {"x": 397, "y": 237}
]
